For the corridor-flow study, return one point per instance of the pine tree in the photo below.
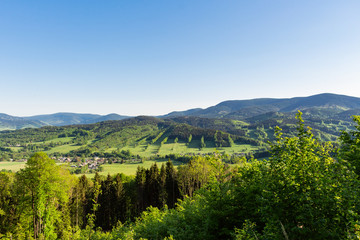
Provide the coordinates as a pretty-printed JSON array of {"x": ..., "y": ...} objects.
[
  {"x": 140, "y": 179},
  {"x": 105, "y": 216},
  {"x": 152, "y": 186},
  {"x": 120, "y": 200},
  {"x": 171, "y": 185},
  {"x": 162, "y": 189}
]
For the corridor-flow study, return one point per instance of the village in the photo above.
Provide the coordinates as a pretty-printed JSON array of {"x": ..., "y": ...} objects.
[{"x": 79, "y": 165}]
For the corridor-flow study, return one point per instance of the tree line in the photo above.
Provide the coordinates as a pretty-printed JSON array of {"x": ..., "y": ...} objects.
[{"x": 43, "y": 201}]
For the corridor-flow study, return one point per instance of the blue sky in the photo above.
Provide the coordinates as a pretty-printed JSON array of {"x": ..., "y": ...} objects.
[{"x": 153, "y": 57}]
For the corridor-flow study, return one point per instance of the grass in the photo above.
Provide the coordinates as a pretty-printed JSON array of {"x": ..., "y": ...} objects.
[
  {"x": 13, "y": 166},
  {"x": 56, "y": 140},
  {"x": 183, "y": 148},
  {"x": 63, "y": 148},
  {"x": 62, "y": 140},
  {"x": 128, "y": 168},
  {"x": 15, "y": 149}
]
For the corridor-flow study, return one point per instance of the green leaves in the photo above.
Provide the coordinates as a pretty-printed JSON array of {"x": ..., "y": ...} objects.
[
  {"x": 45, "y": 190},
  {"x": 350, "y": 146},
  {"x": 306, "y": 189}
]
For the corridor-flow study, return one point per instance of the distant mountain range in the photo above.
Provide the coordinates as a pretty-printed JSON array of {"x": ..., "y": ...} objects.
[
  {"x": 324, "y": 106},
  {"x": 243, "y": 109},
  {"x": 8, "y": 122}
]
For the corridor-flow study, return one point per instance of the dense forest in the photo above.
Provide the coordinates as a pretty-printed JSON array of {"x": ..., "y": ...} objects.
[{"x": 306, "y": 189}]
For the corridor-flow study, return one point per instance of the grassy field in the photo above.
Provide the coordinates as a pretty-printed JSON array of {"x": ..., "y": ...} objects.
[
  {"x": 182, "y": 148},
  {"x": 13, "y": 166},
  {"x": 57, "y": 140},
  {"x": 112, "y": 169},
  {"x": 63, "y": 148},
  {"x": 15, "y": 149},
  {"x": 128, "y": 168}
]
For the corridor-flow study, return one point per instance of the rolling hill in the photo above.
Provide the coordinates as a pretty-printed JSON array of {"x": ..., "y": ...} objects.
[
  {"x": 242, "y": 109},
  {"x": 234, "y": 126},
  {"x": 325, "y": 106},
  {"x": 8, "y": 122},
  {"x": 143, "y": 135}
]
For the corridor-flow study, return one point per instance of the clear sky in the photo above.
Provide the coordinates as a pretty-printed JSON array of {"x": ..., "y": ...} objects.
[{"x": 152, "y": 57}]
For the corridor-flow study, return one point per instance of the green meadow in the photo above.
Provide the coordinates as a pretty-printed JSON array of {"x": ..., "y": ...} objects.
[
  {"x": 129, "y": 168},
  {"x": 114, "y": 168},
  {"x": 152, "y": 150},
  {"x": 63, "y": 148},
  {"x": 13, "y": 166}
]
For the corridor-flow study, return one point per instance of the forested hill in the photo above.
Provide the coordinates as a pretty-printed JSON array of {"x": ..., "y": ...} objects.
[
  {"x": 331, "y": 104},
  {"x": 323, "y": 106},
  {"x": 144, "y": 135},
  {"x": 150, "y": 137},
  {"x": 62, "y": 119},
  {"x": 8, "y": 122}
]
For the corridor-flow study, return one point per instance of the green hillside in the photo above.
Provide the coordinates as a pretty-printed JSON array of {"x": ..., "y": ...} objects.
[
  {"x": 150, "y": 138},
  {"x": 243, "y": 109},
  {"x": 8, "y": 122},
  {"x": 143, "y": 137}
]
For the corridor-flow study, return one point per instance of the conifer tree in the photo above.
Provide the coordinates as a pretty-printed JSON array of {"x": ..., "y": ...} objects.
[
  {"x": 106, "y": 215},
  {"x": 171, "y": 185},
  {"x": 162, "y": 189},
  {"x": 152, "y": 186},
  {"x": 350, "y": 146},
  {"x": 140, "y": 179},
  {"x": 120, "y": 200}
]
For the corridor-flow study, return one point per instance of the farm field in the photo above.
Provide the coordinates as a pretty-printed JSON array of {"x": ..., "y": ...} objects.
[
  {"x": 112, "y": 169},
  {"x": 128, "y": 168},
  {"x": 57, "y": 140},
  {"x": 147, "y": 151},
  {"x": 63, "y": 148},
  {"x": 13, "y": 166}
]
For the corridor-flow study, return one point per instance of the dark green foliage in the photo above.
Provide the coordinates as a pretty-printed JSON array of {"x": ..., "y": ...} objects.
[
  {"x": 80, "y": 202},
  {"x": 350, "y": 146},
  {"x": 8, "y": 213},
  {"x": 152, "y": 186},
  {"x": 171, "y": 185},
  {"x": 105, "y": 218},
  {"x": 140, "y": 180},
  {"x": 162, "y": 187}
]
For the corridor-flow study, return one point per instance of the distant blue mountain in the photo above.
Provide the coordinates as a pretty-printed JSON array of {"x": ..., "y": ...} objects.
[
  {"x": 8, "y": 122},
  {"x": 322, "y": 105},
  {"x": 242, "y": 109}
]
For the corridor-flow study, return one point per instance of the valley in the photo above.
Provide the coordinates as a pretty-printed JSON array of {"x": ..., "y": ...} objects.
[{"x": 246, "y": 129}]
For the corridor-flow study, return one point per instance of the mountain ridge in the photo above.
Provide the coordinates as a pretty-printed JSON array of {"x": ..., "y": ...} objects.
[
  {"x": 241, "y": 109},
  {"x": 328, "y": 104}
]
